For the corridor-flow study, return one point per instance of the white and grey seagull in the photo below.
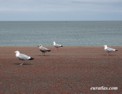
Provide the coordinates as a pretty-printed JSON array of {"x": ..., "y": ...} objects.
[
  {"x": 22, "y": 57},
  {"x": 109, "y": 50},
  {"x": 43, "y": 49},
  {"x": 57, "y": 45}
]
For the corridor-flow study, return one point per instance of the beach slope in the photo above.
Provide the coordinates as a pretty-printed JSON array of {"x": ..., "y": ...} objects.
[{"x": 69, "y": 70}]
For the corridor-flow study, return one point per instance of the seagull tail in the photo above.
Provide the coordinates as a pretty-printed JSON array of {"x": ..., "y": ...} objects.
[
  {"x": 31, "y": 58},
  {"x": 116, "y": 50},
  {"x": 49, "y": 50}
]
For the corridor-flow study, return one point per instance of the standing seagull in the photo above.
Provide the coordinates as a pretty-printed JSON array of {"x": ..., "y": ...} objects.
[
  {"x": 43, "y": 49},
  {"x": 109, "y": 50},
  {"x": 57, "y": 45},
  {"x": 23, "y": 57}
]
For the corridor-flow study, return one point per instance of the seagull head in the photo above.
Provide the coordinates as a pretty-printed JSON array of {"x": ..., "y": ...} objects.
[
  {"x": 17, "y": 52},
  {"x": 54, "y": 42},
  {"x": 105, "y": 46}
]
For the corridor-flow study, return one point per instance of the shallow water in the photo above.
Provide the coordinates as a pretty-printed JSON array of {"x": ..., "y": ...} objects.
[{"x": 68, "y": 33}]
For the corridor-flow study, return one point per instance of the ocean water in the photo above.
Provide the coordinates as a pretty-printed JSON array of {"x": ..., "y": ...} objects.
[{"x": 68, "y": 33}]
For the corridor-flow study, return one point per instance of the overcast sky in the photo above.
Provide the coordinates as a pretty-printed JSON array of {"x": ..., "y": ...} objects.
[{"x": 56, "y": 10}]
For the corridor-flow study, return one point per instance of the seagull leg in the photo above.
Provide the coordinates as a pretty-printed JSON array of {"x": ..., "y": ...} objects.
[
  {"x": 109, "y": 54},
  {"x": 57, "y": 48},
  {"x": 43, "y": 53},
  {"x": 21, "y": 64}
]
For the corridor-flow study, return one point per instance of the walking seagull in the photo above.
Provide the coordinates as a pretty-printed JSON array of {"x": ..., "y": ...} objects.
[
  {"x": 22, "y": 57},
  {"x": 43, "y": 49},
  {"x": 109, "y": 50},
  {"x": 57, "y": 45}
]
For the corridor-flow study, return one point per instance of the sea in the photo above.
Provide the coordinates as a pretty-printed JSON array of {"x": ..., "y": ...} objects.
[{"x": 67, "y": 33}]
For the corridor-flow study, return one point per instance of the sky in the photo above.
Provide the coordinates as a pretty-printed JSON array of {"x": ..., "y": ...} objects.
[{"x": 60, "y": 10}]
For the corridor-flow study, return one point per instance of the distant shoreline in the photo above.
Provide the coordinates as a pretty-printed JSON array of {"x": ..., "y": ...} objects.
[
  {"x": 69, "y": 33},
  {"x": 68, "y": 21}
]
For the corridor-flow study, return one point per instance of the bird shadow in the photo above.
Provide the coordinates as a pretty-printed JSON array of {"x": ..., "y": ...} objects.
[
  {"x": 43, "y": 55},
  {"x": 23, "y": 64},
  {"x": 109, "y": 55}
]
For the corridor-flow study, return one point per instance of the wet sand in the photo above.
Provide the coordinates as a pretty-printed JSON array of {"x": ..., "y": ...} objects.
[{"x": 69, "y": 70}]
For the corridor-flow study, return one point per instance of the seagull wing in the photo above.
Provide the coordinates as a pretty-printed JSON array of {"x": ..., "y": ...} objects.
[
  {"x": 44, "y": 48},
  {"x": 111, "y": 49},
  {"x": 58, "y": 45},
  {"x": 24, "y": 57}
]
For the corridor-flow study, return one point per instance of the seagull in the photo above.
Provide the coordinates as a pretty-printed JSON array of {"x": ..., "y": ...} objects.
[
  {"x": 43, "y": 49},
  {"x": 108, "y": 49},
  {"x": 57, "y": 45},
  {"x": 23, "y": 57}
]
